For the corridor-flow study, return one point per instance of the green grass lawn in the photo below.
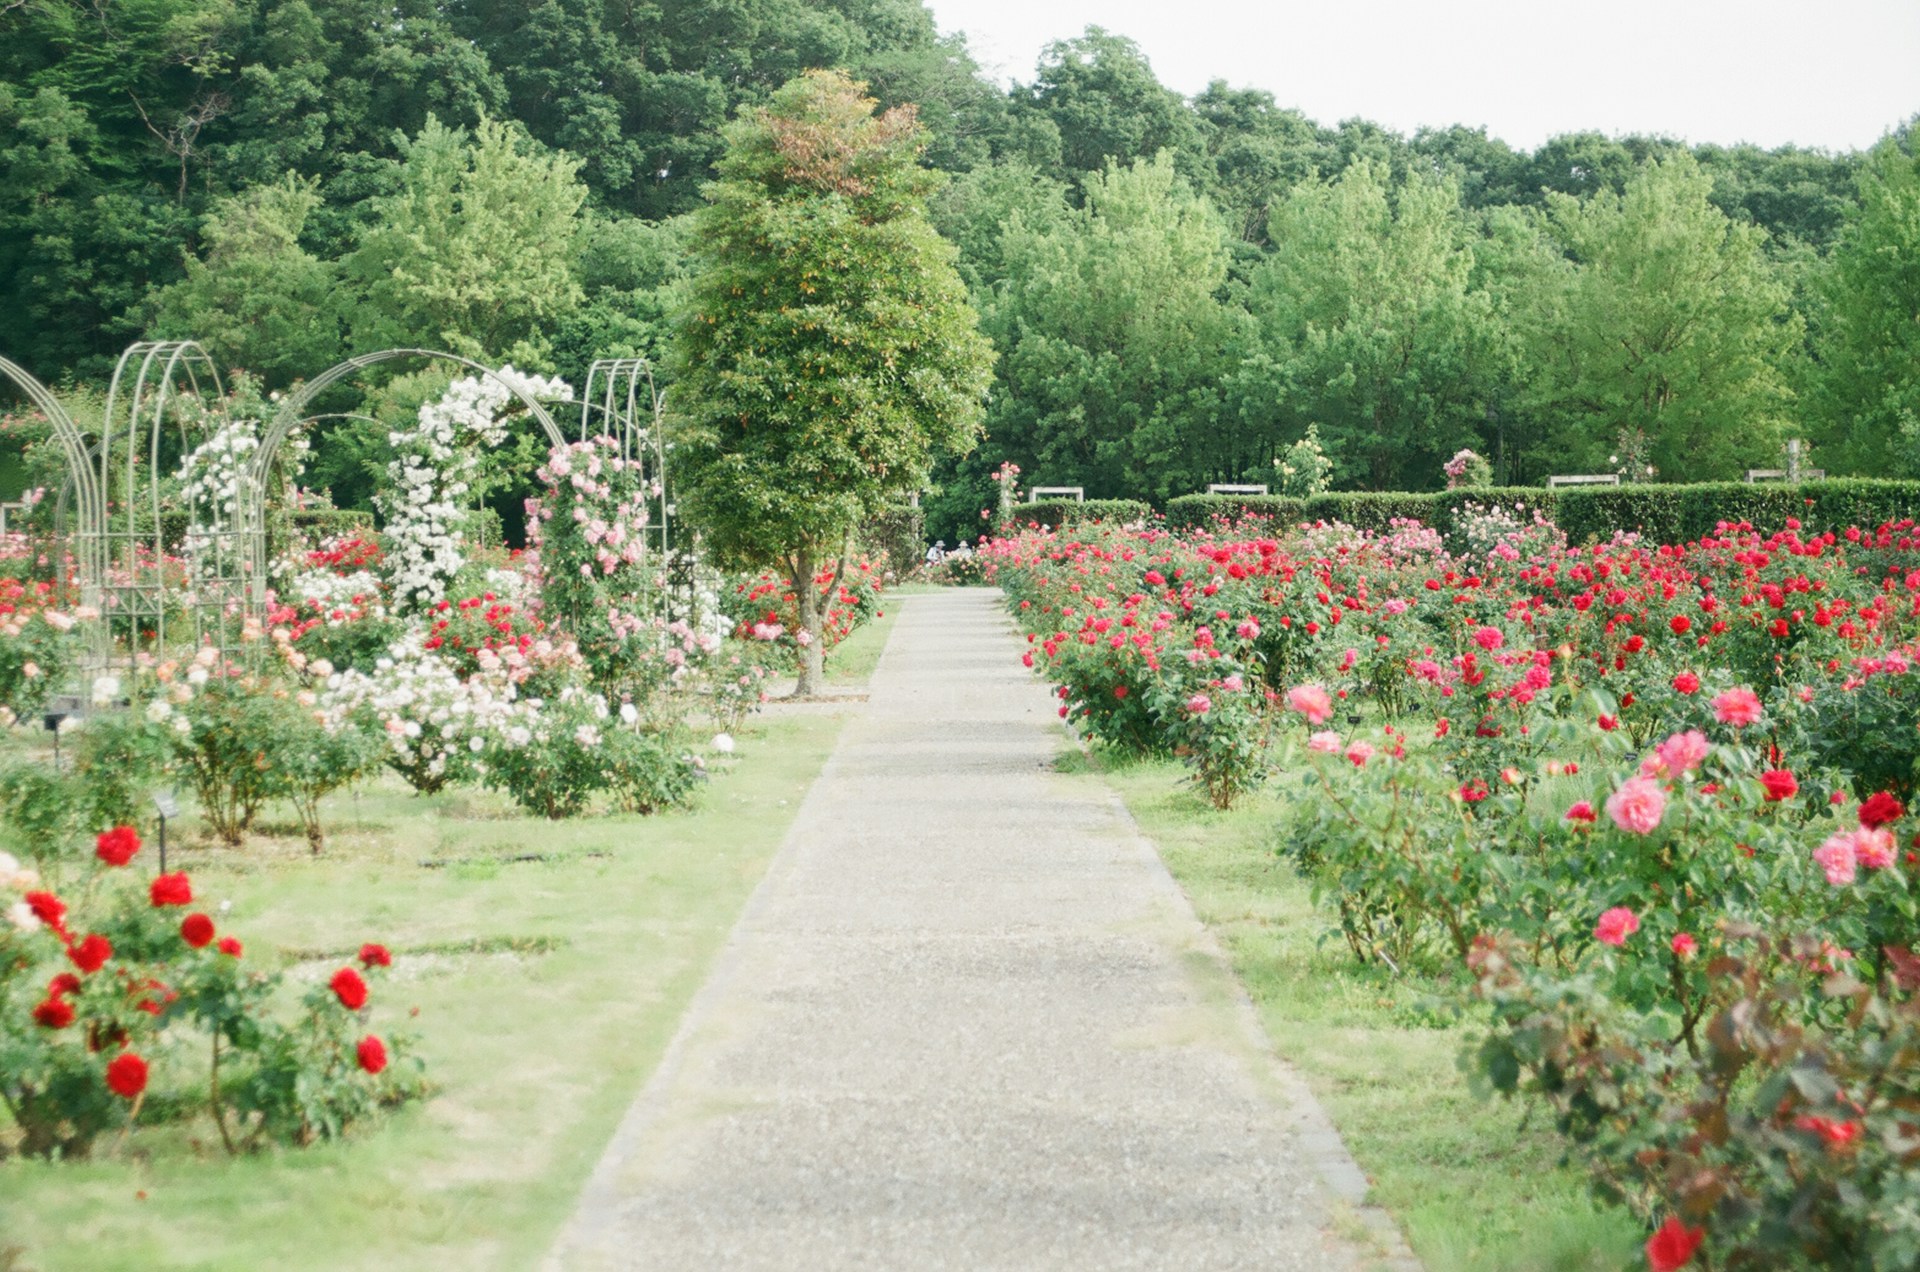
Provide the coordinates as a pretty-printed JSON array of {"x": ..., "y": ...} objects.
[
  {"x": 1471, "y": 1188},
  {"x": 547, "y": 990}
]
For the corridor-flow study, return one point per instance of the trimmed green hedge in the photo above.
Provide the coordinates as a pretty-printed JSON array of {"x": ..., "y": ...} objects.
[
  {"x": 1676, "y": 514},
  {"x": 1054, "y": 513},
  {"x": 1665, "y": 513}
]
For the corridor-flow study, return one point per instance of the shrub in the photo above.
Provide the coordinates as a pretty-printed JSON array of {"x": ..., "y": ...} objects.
[
  {"x": 103, "y": 1001},
  {"x": 1055, "y": 513}
]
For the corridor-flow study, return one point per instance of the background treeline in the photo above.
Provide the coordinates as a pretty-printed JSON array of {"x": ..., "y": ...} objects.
[{"x": 1176, "y": 287}]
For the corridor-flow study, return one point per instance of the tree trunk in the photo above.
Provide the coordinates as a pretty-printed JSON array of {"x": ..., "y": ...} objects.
[{"x": 813, "y": 650}]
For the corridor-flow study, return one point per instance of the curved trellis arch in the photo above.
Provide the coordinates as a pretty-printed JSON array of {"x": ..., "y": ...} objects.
[
  {"x": 80, "y": 474},
  {"x": 620, "y": 400},
  {"x": 151, "y": 384},
  {"x": 292, "y": 417}
]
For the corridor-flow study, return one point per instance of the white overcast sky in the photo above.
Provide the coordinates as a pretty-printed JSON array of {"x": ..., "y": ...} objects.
[{"x": 1830, "y": 73}]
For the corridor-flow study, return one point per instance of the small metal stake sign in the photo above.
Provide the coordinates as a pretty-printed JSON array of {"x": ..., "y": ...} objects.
[
  {"x": 164, "y": 804},
  {"x": 54, "y": 720}
]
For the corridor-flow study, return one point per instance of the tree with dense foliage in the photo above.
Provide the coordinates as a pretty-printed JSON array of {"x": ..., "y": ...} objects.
[
  {"x": 829, "y": 353},
  {"x": 1867, "y": 338},
  {"x": 474, "y": 252},
  {"x": 1370, "y": 325},
  {"x": 1671, "y": 323},
  {"x": 1115, "y": 343},
  {"x": 258, "y": 299}
]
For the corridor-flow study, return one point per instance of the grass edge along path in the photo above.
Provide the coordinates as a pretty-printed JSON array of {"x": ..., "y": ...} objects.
[
  {"x": 1473, "y": 1190},
  {"x": 548, "y": 990}
]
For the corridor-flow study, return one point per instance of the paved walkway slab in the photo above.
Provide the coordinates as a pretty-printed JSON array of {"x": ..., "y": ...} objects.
[{"x": 966, "y": 1022}]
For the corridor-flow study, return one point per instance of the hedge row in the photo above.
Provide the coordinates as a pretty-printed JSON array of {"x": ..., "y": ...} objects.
[
  {"x": 1665, "y": 513},
  {"x": 1054, "y": 513},
  {"x": 1363, "y": 509},
  {"x": 1678, "y": 513}
]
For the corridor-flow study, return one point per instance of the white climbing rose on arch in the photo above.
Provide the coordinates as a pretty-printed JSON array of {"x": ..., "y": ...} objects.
[{"x": 433, "y": 469}]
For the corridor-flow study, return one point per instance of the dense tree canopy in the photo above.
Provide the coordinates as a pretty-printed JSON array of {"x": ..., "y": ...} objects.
[{"x": 1177, "y": 287}]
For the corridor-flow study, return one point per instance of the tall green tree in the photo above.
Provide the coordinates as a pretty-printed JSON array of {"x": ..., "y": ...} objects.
[
  {"x": 829, "y": 353},
  {"x": 1866, "y": 382},
  {"x": 474, "y": 253},
  {"x": 1100, "y": 92},
  {"x": 1672, "y": 324},
  {"x": 1115, "y": 341},
  {"x": 1371, "y": 328},
  {"x": 257, "y": 298}
]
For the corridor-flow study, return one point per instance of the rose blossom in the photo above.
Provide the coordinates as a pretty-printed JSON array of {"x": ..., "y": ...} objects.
[
  {"x": 1360, "y": 752},
  {"x": 1683, "y": 752},
  {"x": 1779, "y": 784},
  {"x": 1582, "y": 812},
  {"x": 1873, "y": 847},
  {"x": 1616, "y": 925},
  {"x": 1837, "y": 859},
  {"x": 1672, "y": 1247},
  {"x": 1737, "y": 707},
  {"x": 1199, "y": 704},
  {"x": 117, "y": 846},
  {"x": 1312, "y": 702},
  {"x": 372, "y": 1054},
  {"x": 1326, "y": 741},
  {"x": 127, "y": 1075},
  {"x": 349, "y": 988},
  {"x": 1684, "y": 945},
  {"x": 1880, "y": 808},
  {"x": 1638, "y": 805}
]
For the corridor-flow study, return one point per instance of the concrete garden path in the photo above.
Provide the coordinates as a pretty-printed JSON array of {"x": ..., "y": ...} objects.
[{"x": 967, "y": 1021}]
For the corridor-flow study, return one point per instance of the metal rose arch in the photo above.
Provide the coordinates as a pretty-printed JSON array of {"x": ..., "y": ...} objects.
[{"x": 292, "y": 417}]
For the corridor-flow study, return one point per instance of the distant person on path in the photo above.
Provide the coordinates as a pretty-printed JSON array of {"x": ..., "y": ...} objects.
[
  {"x": 962, "y": 553},
  {"x": 937, "y": 553}
]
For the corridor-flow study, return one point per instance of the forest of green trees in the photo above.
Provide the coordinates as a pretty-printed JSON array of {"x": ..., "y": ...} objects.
[{"x": 1176, "y": 288}]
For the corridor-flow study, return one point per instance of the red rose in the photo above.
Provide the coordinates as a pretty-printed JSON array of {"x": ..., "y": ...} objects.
[
  {"x": 197, "y": 930},
  {"x": 372, "y": 955},
  {"x": 64, "y": 983},
  {"x": 1681, "y": 624},
  {"x": 229, "y": 946},
  {"x": 54, "y": 1013},
  {"x": 91, "y": 954},
  {"x": 351, "y": 990},
  {"x": 171, "y": 889},
  {"x": 1880, "y": 808},
  {"x": 127, "y": 1075},
  {"x": 1672, "y": 1247},
  {"x": 1686, "y": 682},
  {"x": 1779, "y": 784},
  {"x": 49, "y": 909},
  {"x": 373, "y": 1054},
  {"x": 117, "y": 846}
]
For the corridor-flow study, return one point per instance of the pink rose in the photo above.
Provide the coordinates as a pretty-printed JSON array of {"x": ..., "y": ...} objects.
[
  {"x": 1199, "y": 704},
  {"x": 1312, "y": 702},
  {"x": 1489, "y": 638},
  {"x": 1684, "y": 945},
  {"x": 1249, "y": 630},
  {"x": 1737, "y": 707},
  {"x": 1638, "y": 805},
  {"x": 1616, "y": 925},
  {"x": 1837, "y": 858},
  {"x": 1327, "y": 742},
  {"x": 1360, "y": 752},
  {"x": 1873, "y": 848},
  {"x": 1683, "y": 752}
]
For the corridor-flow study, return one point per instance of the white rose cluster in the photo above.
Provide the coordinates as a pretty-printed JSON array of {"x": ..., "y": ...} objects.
[
  {"x": 434, "y": 467},
  {"x": 432, "y": 718}
]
